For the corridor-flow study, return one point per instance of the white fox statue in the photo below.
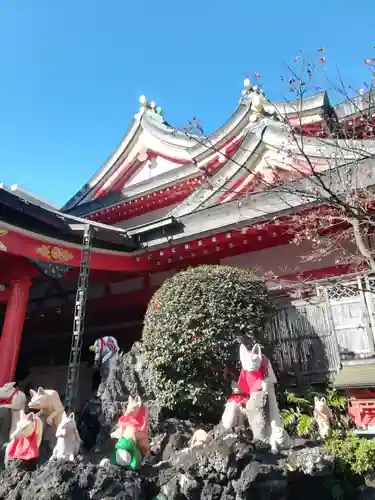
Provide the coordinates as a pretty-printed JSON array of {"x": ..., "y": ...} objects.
[
  {"x": 256, "y": 375},
  {"x": 68, "y": 440}
]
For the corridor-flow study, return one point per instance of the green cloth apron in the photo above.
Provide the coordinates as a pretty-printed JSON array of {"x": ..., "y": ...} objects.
[{"x": 132, "y": 448}]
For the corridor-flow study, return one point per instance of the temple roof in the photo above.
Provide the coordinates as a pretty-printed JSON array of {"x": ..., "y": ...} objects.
[
  {"x": 153, "y": 154},
  {"x": 163, "y": 186},
  {"x": 192, "y": 232},
  {"x": 19, "y": 211},
  {"x": 157, "y": 166}
]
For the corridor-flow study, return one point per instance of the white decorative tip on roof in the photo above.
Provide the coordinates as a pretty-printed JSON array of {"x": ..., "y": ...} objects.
[{"x": 148, "y": 105}]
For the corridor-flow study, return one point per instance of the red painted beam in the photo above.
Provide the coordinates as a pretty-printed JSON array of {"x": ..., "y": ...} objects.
[
  {"x": 147, "y": 203},
  {"x": 4, "y": 296},
  {"x": 32, "y": 246},
  {"x": 324, "y": 273},
  {"x": 198, "y": 250}
]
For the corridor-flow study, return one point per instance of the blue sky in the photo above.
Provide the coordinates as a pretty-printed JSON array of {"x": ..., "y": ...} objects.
[{"x": 72, "y": 71}]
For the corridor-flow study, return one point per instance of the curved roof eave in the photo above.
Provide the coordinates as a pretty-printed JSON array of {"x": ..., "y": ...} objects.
[
  {"x": 195, "y": 145},
  {"x": 100, "y": 174},
  {"x": 178, "y": 141},
  {"x": 306, "y": 106},
  {"x": 201, "y": 196},
  {"x": 275, "y": 137},
  {"x": 172, "y": 138},
  {"x": 355, "y": 106}
]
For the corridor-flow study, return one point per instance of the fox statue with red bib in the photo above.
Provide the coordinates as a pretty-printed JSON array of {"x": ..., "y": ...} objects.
[
  {"x": 254, "y": 398},
  {"x": 25, "y": 440},
  {"x": 106, "y": 352}
]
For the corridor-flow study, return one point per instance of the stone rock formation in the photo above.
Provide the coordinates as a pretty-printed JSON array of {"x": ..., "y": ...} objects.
[
  {"x": 76, "y": 481},
  {"x": 129, "y": 377},
  {"x": 230, "y": 467}
]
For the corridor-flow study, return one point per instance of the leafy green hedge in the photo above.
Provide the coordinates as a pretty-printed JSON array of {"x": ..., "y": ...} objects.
[
  {"x": 352, "y": 454},
  {"x": 190, "y": 331}
]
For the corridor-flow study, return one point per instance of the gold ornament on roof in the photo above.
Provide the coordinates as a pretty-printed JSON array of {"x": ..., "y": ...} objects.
[
  {"x": 3, "y": 232},
  {"x": 58, "y": 254},
  {"x": 254, "y": 93}
]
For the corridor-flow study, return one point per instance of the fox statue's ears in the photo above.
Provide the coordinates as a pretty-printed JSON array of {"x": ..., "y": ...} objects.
[
  {"x": 30, "y": 416},
  {"x": 137, "y": 400},
  {"x": 243, "y": 352},
  {"x": 71, "y": 416},
  {"x": 39, "y": 392},
  {"x": 133, "y": 402},
  {"x": 257, "y": 350},
  {"x": 9, "y": 384},
  {"x": 320, "y": 400}
]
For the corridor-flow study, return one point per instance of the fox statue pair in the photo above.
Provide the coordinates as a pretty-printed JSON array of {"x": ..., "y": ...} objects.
[
  {"x": 254, "y": 397},
  {"x": 131, "y": 434}
]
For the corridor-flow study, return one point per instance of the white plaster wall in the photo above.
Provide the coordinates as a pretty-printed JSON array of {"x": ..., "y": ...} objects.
[
  {"x": 153, "y": 167},
  {"x": 130, "y": 285},
  {"x": 156, "y": 279},
  {"x": 281, "y": 260}
]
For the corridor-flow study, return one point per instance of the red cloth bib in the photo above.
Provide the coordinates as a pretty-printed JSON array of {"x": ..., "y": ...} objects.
[
  {"x": 10, "y": 399},
  {"x": 139, "y": 422},
  {"x": 24, "y": 448},
  {"x": 249, "y": 382},
  {"x": 107, "y": 343},
  {"x": 241, "y": 399}
]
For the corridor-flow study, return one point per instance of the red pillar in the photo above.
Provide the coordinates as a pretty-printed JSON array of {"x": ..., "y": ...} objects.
[{"x": 11, "y": 334}]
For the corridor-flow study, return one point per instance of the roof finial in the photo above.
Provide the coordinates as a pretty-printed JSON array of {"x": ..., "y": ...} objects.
[
  {"x": 254, "y": 95},
  {"x": 150, "y": 106},
  {"x": 247, "y": 84}
]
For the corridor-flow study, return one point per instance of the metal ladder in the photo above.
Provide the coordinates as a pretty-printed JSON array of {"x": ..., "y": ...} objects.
[{"x": 78, "y": 322}]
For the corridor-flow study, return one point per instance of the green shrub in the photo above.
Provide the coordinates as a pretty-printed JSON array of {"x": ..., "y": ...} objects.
[
  {"x": 190, "y": 331},
  {"x": 352, "y": 453}
]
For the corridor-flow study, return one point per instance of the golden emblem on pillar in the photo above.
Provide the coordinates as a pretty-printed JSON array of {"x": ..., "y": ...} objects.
[
  {"x": 49, "y": 252},
  {"x": 3, "y": 232}
]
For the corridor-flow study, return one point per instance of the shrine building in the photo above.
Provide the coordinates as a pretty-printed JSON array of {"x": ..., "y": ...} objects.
[{"x": 163, "y": 201}]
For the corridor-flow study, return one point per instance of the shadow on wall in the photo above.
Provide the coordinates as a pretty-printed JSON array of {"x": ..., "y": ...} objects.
[{"x": 303, "y": 348}]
